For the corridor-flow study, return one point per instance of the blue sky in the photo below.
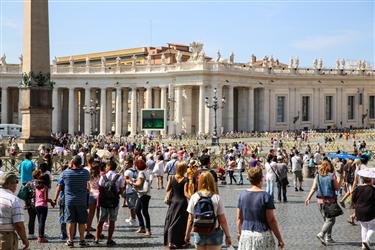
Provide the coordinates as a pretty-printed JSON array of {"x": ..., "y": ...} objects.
[{"x": 308, "y": 29}]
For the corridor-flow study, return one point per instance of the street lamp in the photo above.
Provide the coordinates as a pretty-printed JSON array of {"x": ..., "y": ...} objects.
[
  {"x": 215, "y": 106},
  {"x": 92, "y": 110}
]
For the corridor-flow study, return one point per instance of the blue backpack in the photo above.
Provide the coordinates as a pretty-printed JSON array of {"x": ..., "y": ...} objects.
[{"x": 204, "y": 215}]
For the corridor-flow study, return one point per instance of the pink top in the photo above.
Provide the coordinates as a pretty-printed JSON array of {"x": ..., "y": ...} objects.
[{"x": 40, "y": 195}]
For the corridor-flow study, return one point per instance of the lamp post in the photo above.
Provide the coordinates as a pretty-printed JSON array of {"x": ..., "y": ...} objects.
[
  {"x": 215, "y": 105},
  {"x": 92, "y": 110}
]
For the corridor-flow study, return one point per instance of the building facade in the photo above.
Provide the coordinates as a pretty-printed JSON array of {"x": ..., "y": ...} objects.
[{"x": 262, "y": 95}]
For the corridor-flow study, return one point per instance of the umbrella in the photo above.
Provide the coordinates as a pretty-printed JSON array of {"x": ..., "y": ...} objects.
[
  {"x": 367, "y": 172},
  {"x": 343, "y": 156},
  {"x": 103, "y": 153}
]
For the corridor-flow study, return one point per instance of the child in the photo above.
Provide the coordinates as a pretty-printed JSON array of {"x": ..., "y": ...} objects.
[{"x": 42, "y": 184}]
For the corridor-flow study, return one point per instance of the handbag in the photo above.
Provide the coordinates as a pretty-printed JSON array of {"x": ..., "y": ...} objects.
[
  {"x": 331, "y": 210},
  {"x": 168, "y": 196},
  {"x": 23, "y": 193}
]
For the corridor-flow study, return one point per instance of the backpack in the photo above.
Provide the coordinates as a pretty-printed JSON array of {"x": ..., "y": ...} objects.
[
  {"x": 350, "y": 176},
  {"x": 204, "y": 215},
  {"x": 109, "y": 197},
  {"x": 311, "y": 163}
]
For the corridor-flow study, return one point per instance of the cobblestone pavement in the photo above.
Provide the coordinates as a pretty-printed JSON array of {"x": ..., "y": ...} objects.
[{"x": 298, "y": 224}]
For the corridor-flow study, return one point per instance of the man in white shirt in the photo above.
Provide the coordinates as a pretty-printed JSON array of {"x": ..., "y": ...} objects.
[
  {"x": 297, "y": 165},
  {"x": 11, "y": 210}
]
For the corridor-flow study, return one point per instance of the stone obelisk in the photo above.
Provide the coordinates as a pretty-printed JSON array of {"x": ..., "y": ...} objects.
[{"x": 36, "y": 86}]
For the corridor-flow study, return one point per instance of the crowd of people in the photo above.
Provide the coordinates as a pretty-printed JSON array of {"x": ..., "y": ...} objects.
[{"x": 104, "y": 175}]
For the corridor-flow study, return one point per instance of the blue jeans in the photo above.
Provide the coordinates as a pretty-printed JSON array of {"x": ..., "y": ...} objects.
[{"x": 270, "y": 187}]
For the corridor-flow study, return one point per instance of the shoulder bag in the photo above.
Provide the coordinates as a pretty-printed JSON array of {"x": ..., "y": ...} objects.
[{"x": 330, "y": 209}]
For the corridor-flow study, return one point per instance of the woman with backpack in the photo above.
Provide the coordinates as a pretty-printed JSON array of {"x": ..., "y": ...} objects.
[
  {"x": 326, "y": 185},
  {"x": 176, "y": 218},
  {"x": 142, "y": 186},
  {"x": 208, "y": 230},
  {"x": 255, "y": 217}
]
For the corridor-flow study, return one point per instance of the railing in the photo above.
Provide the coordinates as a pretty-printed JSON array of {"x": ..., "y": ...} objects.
[{"x": 186, "y": 66}]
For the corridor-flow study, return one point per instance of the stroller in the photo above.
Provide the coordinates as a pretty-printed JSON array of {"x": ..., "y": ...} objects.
[{"x": 221, "y": 174}]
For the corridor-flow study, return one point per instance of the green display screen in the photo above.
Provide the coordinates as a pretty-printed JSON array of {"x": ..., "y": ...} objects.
[{"x": 153, "y": 119}]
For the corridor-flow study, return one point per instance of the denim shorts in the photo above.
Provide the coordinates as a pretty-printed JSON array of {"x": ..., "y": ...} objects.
[
  {"x": 108, "y": 213},
  {"x": 131, "y": 199},
  {"x": 75, "y": 214},
  {"x": 92, "y": 200},
  {"x": 214, "y": 239}
]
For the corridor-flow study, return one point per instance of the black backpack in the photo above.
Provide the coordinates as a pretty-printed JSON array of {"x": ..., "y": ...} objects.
[
  {"x": 204, "y": 216},
  {"x": 350, "y": 176},
  {"x": 109, "y": 197}
]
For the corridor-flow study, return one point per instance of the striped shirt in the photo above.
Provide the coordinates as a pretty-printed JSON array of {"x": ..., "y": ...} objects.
[
  {"x": 11, "y": 210},
  {"x": 75, "y": 186}
]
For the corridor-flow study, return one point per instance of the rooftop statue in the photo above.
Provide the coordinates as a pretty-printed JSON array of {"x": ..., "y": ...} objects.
[
  {"x": 21, "y": 59},
  {"x": 218, "y": 58},
  {"x": 253, "y": 58},
  {"x": 296, "y": 63},
  {"x": 291, "y": 62},
  {"x": 343, "y": 63},
  {"x": 231, "y": 58},
  {"x": 3, "y": 60},
  {"x": 148, "y": 58},
  {"x": 87, "y": 61},
  {"x": 163, "y": 59},
  {"x": 103, "y": 61},
  {"x": 179, "y": 57},
  {"x": 338, "y": 63},
  {"x": 315, "y": 63},
  {"x": 320, "y": 63},
  {"x": 54, "y": 61},
  {"x": 118, "y": 61},
  {"x": 201, "y": 56},
  {"x": 71, "y": 61}
]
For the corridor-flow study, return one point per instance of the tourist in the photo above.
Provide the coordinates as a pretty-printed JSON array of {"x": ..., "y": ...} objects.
[
  {"x": 271, "y": 175},
  {"x": 205, "y": 166},
  {"x": 231, "y": 167},
  {"x": 150, "y": 163},
  {"x": 75, "y": 182},
  {"x": 297, "y": 164},
  {"x": 111, "y": 186},
  {"x": 59, "y": 199},
  {"x": 363, "y": 198},
  {"x": 142, "y": 186},
  {"x": 212, "y": 238},
  {"x": 159, "y": 170},
  {"x": 240, "y": 167},
  {"x": 176, "y": 218},
  {"x": 253, "y": 162},
  {"x": 170, "y": 168},
  {"x": 326, "y": 185},
  {"x": 26, "y": 169},
  {"x": 93, "y": 168},
  {"x": 255, "y": 216},
  {"x": 11, "y": 220},
  {"x": 131, "y": 195},
  {"x": 42, "y": 185},
  {"x": 282, "y": 177}
]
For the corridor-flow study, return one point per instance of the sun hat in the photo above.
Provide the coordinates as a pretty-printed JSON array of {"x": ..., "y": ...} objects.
[{"x": 367, "y": 172}]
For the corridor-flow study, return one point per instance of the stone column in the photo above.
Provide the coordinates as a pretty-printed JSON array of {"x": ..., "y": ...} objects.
[
  {"x": 219, "y": 116},
  {"x": 87, "y": 116},
  {"x": 316, "y": 108},
  {"x": 251, "y": 110},
  {"x": 230, "y": 103},
  {"x": 55, "y": 111},
  {"x": 163, "y": 104},
  {"x": 149, "y": 98},
  {"x": 103, "y": 109},
  {"x": 133, "y": 112},
  {"x": 187, "y": 109},
  {"x": 4, "y": 105},
  {"x": 72, "y": 109},
  {"x": 109, "y": 110},
  {"x": 118, "y": 112},
  {"x": 178, "y": 113},
  {"x": 201, "y": 110},
  {"x": 141, "y": 101},
  {"x": 157, "y": 98},
  {"x": 125, "y": 98},
  {"x": 339, "y": 105},
  {"x": 266, "y": 125}
]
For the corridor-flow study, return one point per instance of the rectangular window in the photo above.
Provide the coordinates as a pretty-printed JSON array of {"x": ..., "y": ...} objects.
[
  {"x": 280, "y": 109},
  {"x": 305, "y": 108},
  {"x": 329, "y": 108},
  {"x": 351, "y": 107},
  {"x": 372, "y": 107}
]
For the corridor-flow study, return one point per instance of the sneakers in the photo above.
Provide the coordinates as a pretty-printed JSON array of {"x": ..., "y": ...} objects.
[
  {"x": 42, "y": 240},
  {"x": 301, "y": 189},
  {"x": 330, "y": 240},
  {"x": 111, "y": 243},
  {"x": 69, "y": 243},
  {"x": 296, "y": 189},
  {"x": 131, "y": 222},
  {"x": 320, "y": 237},
  {"x": 31, "y": 237},
  {"x": 83, "y": 243}
]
